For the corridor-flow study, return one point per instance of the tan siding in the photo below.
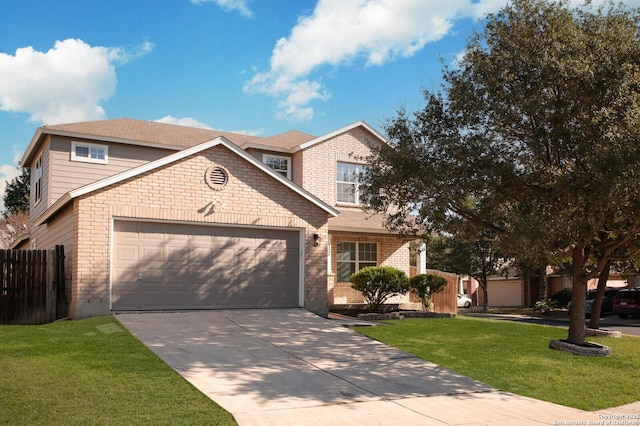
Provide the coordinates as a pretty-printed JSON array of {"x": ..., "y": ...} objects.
[
  {"x": 36, "y": 210},
  {"x": 59, "y": 231},
  {"x": 70, "y": 175}
]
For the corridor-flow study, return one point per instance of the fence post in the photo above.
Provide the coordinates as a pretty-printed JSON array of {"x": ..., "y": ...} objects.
[
  {"x": 4, "y": 291},
  {"x": 50, "y": 289},
  {"x": 60, "y": 284}
]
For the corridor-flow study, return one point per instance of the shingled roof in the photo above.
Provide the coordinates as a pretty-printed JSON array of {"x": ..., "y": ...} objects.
[
  {"x": 177, "y": 138},
  {"x": 138, "y": 132}
]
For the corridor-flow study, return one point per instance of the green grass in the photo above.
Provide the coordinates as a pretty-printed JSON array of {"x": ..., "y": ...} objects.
[
  {"x": 515, "y": 357},
  {"x": 93, "y": 372}
]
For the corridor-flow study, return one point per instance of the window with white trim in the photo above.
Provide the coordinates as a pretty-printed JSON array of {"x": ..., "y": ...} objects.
[
  {"x": 89, "y": 152},
  {"x": 37, "y": 181},
  {"x": 347, "y": 182},
  {"x": 279, "y": 164},
  {"x": 353, "y": 256}
]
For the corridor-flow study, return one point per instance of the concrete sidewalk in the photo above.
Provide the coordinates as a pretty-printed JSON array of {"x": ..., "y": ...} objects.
[{"x": 291, "y": 367}]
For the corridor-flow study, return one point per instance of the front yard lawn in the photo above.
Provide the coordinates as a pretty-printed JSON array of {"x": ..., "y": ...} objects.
[
  {"x": 515, "y": 357},
  {"x": 94, "y": 372}
]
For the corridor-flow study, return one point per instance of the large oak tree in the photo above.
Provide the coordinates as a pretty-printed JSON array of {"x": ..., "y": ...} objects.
[{"x": 534, "y": 137}]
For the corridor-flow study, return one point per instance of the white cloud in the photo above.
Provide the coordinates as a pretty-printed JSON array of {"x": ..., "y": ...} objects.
[
  {"x": 185, "y": 121},
  {"x": 341, "y": 32},
  {"x": 229, "y": 6},
  {"x": 67, "y": 83},
  {"x": 192, "y": 122},
  {"x": 344, "y": 32}
]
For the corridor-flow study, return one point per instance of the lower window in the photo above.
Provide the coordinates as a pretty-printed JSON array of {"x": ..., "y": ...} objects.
[{"x": 353, "y": 256}]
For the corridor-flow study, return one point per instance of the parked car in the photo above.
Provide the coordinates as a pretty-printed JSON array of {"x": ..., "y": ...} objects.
[
  {"x": 463, "y": 301},
  {"x": 627, "y": 302},
  {"x": 607, "y": 301}
]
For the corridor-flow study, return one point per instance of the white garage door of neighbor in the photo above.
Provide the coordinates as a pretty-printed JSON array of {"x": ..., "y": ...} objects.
[
  {"x": 160, "y": 266},
  {"x": 504, "y": 293}
]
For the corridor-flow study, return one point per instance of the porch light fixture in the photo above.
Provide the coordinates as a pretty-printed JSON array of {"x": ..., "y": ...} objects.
[{"x": 316, "y": 240}]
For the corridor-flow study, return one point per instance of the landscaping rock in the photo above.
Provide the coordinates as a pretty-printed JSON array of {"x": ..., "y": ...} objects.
[
  {"x": 586, "y": 349},
  {"x": 602, "y": 332},
  {"x": 402, "y": 315}
]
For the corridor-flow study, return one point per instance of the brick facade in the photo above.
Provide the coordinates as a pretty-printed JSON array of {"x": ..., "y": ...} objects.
[
  {"x": 316, "y": 165},
  {"x": 178, "y": 193},
  {"x": 316, "y": 172},
  {"x": 392, "y": 251}
]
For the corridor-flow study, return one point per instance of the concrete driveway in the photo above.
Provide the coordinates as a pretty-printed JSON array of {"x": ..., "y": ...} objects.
[{"x": 291, "y": 367}]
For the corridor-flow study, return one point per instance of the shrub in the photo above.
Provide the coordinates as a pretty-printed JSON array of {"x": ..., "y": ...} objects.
[
  {"x": 545, "y": 306},
  {"x": 426, "y": 285},
  {"x": 378, "y": 283}
]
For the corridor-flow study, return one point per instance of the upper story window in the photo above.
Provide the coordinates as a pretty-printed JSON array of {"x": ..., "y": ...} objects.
[
  {"x": 89, "y": 153},
  {"x": 279, "y": 164},
  {"x": 37, "y": 181},
  {"x": 347, "y": 183}
]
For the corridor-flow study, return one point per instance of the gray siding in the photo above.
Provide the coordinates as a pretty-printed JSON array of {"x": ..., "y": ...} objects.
[{"x": 70, "y": 175}]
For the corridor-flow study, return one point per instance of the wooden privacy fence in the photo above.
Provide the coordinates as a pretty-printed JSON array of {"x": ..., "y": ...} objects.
[
  {"x": 447, "y": 300},
  {"x": 32, "y": 286}
]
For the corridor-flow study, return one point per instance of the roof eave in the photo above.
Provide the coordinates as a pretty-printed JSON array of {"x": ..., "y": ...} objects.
[
  {"x": 355, "y": 230},
  {"x": 53, "y": 209},
  {"x": 319, "y": 139},
  {"x": 304, "y": 193},
  {"x": 42, "y": 131},
  {"x": 251, "y": 145}
]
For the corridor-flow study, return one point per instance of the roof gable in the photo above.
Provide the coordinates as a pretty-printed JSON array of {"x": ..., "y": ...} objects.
[{"x": 340, "y": 131}]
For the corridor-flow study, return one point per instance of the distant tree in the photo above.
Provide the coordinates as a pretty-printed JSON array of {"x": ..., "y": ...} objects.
[
  {"x": 16, "y": 194},
  {"x": 534, "y": 138},
  {"x": 479, "y": 259}
]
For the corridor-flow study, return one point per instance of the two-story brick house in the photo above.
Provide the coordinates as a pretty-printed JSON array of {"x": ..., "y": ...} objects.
[{"x": 156, "y": 216}]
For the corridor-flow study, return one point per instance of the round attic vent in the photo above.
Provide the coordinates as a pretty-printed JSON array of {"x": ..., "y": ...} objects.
[{"x": 216, "y": 177}]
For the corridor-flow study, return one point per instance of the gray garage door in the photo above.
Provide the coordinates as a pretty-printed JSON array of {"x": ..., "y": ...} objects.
[{"x": 177, "y": 266}]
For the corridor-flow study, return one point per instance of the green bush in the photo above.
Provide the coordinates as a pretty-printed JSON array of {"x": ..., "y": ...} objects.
[
  {"x": 545, "y": 306},
  {"x": 426, "y": 285},
  {"x": 378, "y": 283}
]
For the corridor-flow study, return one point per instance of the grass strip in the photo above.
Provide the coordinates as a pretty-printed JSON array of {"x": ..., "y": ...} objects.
[
  {"x": 93, "y": 372},
  {"x": 515, "y": 357}
]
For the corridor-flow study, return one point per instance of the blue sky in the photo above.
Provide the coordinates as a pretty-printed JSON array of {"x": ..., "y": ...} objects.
[{"x": 255, "y": 66}]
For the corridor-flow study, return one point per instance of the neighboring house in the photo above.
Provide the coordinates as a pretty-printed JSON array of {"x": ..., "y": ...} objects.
[
  {"x": 516, "y": 291},
  {"x": 156, "y": 216},
  {"x": 558, "y": 281}
]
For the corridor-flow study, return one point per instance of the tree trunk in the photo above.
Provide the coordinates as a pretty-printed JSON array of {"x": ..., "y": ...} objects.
[
  {"x": 578, "y": 296},
  {"x": 596, "y": 307}
]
